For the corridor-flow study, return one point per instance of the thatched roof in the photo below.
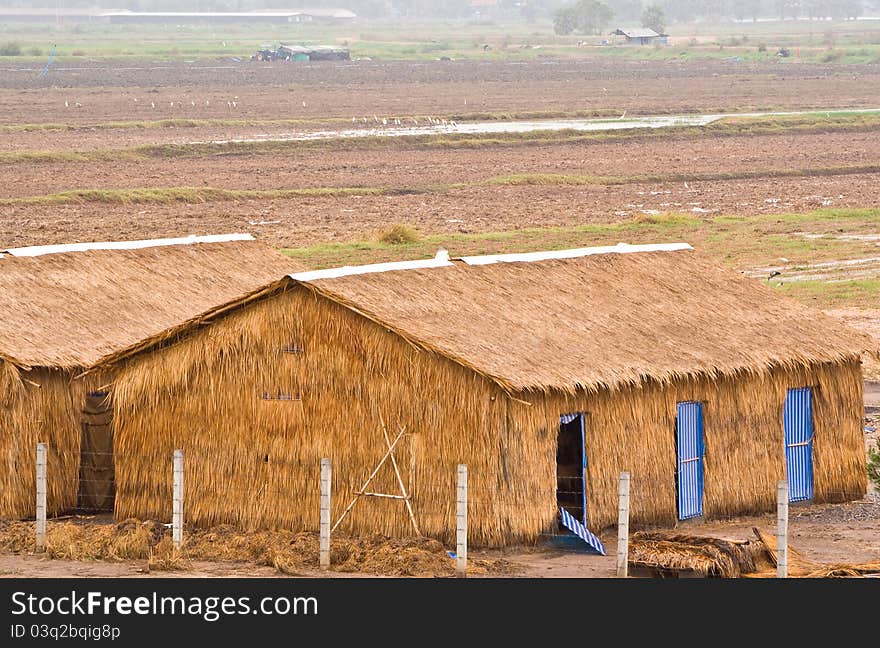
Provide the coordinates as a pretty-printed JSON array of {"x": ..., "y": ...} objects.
[
  {"x": 581, "y": 319},
  {"x": 70, "y": 308},
  {"x": 597, "y": 320}
]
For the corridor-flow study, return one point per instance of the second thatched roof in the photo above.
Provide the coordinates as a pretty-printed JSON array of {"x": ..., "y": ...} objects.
[{"x": 68, "y": 306}]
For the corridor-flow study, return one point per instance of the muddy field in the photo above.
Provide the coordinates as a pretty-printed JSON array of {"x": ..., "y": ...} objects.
[{"x": 107, "y": 91}]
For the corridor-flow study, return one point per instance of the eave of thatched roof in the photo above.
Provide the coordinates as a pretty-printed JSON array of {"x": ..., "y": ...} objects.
[
  {"x": 70, "y": 309},
  {"x": 599, "y": 320}
]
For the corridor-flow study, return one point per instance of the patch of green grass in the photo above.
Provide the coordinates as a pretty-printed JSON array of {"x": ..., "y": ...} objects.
[
  {"x": 184, "y": 194},
  {"x": 742, "y": 242},
  {"x": 837, "y": 293}
]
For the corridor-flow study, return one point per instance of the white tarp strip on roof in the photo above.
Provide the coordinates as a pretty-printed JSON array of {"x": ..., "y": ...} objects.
[
  {"x": 620, "y": 248},
  {"x": 442, "y": 259},
  {"x": 39, "y": 250}
]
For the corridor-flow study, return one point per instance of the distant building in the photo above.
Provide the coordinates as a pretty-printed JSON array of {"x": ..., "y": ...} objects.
[
  {"x": 642, "y": 36},
  {"x": 187, "y": 17}
]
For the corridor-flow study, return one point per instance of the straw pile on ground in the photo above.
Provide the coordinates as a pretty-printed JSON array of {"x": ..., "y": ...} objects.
[
  {"x": 669, "y": 554},
  {"x": 288, "y": 552},
  {"x": 706, "y": 556},
  {"x": 801, "y": 566}
]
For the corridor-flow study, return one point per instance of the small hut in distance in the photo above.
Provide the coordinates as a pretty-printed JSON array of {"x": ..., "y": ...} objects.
[
  {"x": 546, "y": 373},
  {"x": 641, "y": 36}
]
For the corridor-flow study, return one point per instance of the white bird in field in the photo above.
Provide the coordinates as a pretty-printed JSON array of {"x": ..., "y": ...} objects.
[
  {"x": 304, "y": 104},
  {"x": 152, "y": 104},
  {"x": 66, "y": 105},
  {"x": 193, "y": 103},
  {"x": 171, "y": 103},
  {"x": 229, "y": 104},
  {"x": 354, "y": 120},
  {"x": 78, "y": 104},
  {"x": 135, "y": 99},
  {"x": 396, "y": 121},
  {"x": 234, "y": 104},
  {"x": 384, "y": 122},
  {"x": 365, "y": 120},
  {"x": 375, "y": 119}
]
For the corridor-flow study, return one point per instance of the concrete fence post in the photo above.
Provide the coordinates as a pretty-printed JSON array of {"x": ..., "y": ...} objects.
[
  {"x": 623, "y": 526},
  {"x": 177, "y": 503},
  {"x": 782, "y": 529},
  {"x": 461, "y": 521},
  {"x": 326, "y": 477},
  {"x": 41, "y": 497}
]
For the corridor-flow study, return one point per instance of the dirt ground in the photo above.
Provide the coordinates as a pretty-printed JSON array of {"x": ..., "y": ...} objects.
[
  {"x": 839, "y": 533},
  {"x": 308, "y": 220}
]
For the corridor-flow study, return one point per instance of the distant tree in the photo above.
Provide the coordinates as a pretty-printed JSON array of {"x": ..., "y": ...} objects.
[
  {"x": 653, "y": 17},
  {"x": 587, "y": 16},
  {"x": 565, "y": 21}
]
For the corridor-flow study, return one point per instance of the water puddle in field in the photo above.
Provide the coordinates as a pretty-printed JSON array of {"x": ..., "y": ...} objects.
[{"x": 375, "y": 126}]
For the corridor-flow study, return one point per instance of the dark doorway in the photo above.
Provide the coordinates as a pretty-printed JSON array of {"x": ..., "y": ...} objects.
[
  {"x": 570, "y": 466},
  {"x": 97, "y": 477}
]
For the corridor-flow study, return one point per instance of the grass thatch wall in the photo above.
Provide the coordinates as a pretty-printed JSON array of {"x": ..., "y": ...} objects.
[
  {"x": 634, "y": 429},
  {"x": 39, "y": 405},
  {"x": 255, "y": 462}
]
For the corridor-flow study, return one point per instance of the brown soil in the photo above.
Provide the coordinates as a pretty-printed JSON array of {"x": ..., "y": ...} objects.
[
  {"x": 421, "y": 168},
  {"x": 305, "y": 221}
]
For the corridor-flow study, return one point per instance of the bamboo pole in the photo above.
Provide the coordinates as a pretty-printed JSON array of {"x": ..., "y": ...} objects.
[
  {"x": 623, "y": 526},
  {"x": 461, "y": 521},
  {"x": 177, "y": 501},
  {"x": 782, "y": 529},
  {"x": 326, "y": 474},
  {"x": 409, "y": 509},
  {"x": 41, "y": 497},
  {"x": 367, "y": 483}
]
